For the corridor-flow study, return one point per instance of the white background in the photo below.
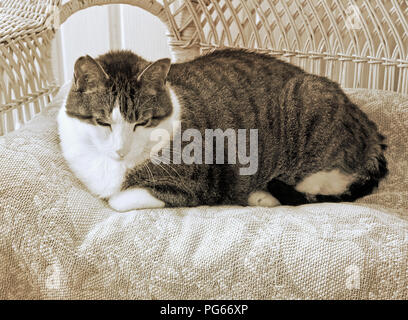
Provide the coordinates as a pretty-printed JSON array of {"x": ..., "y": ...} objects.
[{"x": 97, "y": 30}]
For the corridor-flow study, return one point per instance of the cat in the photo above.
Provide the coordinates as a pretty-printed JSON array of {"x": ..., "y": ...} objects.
[{"x": 313, "y": 143}]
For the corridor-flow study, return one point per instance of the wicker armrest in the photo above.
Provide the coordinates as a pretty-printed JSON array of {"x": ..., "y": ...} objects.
[{"x": 26, "y": 80}]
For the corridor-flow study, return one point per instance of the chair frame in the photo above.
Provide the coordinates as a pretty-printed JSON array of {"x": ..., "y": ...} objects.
[{"x": 358, "y": 43}]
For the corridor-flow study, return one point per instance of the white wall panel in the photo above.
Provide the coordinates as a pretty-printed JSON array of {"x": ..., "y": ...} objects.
[
  {"x": 96, "y": 30},
  {"x": 115, "y": 27},
  {"x": 86, "y": 32},
  {"x": 143, "y": 33}
]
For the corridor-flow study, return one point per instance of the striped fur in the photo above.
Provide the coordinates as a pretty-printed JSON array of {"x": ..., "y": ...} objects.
[{"x": 306, "y": 125}]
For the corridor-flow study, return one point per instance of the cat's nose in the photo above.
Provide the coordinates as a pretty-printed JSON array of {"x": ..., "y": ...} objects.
[{"x": 121, "y": 153}]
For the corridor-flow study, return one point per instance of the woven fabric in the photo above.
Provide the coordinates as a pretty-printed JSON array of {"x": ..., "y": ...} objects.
[{"x": 59, "y": 242}]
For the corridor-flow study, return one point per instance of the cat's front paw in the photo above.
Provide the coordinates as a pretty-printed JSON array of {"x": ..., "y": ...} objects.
[
  {"x": 133, "y": 199},
  {"x": 262, "y": 199}
]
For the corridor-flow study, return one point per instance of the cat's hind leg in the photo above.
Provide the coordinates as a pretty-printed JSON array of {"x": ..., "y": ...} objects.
[
  {"x": 328, "y": 186},
  {"x": 333, "y": 182},
  {"x": 135, "y": 198},
  {"x": 335, "y": 185},
  {"x": 262, "y": 198},
  {"x": 322, "y": 186}
]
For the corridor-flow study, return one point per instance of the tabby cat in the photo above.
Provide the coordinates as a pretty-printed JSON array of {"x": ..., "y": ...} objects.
[{"x": 312, "y": 144}]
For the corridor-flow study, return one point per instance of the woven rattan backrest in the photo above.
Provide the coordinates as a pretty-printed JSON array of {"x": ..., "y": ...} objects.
[{"x": 358, "y": 43}]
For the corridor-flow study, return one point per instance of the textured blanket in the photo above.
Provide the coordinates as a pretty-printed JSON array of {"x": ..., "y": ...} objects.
[{"x": 57, "y": 241}]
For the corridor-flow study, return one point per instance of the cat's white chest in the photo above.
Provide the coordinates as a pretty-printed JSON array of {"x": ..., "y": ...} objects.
[{"x": 102, "y": 175}]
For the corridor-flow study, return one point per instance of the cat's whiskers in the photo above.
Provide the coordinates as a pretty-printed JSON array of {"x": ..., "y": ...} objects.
[
  {"x": 167, "y": 158},
  {"x": 166, "y": 148},
  {"x": 179, "y": 181},
  {"x": 161, "y": 165},
  {"x": 168, "y": 173},
  {"x": 146, "y": 166}
]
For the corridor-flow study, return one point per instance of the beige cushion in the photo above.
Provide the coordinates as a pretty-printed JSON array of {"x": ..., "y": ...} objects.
[{"x": 58, "y": 241}]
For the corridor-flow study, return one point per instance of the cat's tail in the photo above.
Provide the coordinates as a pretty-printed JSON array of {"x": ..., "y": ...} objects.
[{"x": 373, "y": 171}]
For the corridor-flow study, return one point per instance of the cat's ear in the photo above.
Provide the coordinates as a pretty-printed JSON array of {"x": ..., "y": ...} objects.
[
  {"x": 153, "y": 77},
  {"x": 89, "y": 75}
]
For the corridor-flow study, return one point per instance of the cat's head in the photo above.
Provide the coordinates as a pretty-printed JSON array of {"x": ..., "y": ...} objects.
[{"x": 117, "y": 100}]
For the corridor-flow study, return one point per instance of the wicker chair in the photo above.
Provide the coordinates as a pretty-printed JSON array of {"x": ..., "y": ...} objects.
[
  {"x": 57, "y": 241},
  {"x": 360, "y": 44}
]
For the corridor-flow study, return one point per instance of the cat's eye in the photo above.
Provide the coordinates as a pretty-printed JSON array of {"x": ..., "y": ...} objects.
[
  {"x": 141, "y": 124},
  {"x": 103, "y": 124}
]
